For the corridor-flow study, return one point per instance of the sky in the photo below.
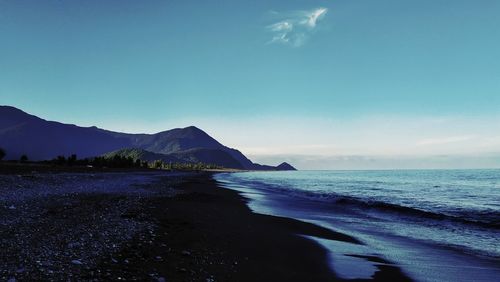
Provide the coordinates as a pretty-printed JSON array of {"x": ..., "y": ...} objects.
[{"x": 347, "y": 84}]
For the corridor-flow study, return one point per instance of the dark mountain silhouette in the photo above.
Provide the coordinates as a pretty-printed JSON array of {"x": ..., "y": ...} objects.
[
  {"x": 39, "y": 139},
  {"x": 285, "y": 166}
]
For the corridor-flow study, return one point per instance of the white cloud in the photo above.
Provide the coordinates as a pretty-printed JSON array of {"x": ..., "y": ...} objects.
[
  {"x": 314, "y": 16},
  {"x": 282, "y": 26},
  {"x": 294, "y": 28}
]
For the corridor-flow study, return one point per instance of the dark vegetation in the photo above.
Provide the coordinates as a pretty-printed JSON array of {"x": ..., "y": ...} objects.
[
  {"x": 23, "y": 158},
  {"x": 117, "y": 161},
  {"x": 193, "y": 160}
]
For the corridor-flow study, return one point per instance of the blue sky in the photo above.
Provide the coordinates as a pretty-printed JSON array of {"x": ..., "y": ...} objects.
[{"x": 325, "y": 84}]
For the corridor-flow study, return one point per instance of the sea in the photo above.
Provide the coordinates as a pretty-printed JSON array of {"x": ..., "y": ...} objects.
[{"x": 437, "y": 225}]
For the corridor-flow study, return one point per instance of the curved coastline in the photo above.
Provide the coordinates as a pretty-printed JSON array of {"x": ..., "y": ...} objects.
[{"x": 421, "y": 260}]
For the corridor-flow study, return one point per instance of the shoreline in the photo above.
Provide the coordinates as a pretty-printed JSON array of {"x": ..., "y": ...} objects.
[
  {"x": 423, "y": 260},
  {"x": 176, "y": 226},
  {"x": 247, "y": 246}
]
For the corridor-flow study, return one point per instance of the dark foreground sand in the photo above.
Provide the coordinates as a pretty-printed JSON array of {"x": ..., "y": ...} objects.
[{"x": 151, "y": 227}]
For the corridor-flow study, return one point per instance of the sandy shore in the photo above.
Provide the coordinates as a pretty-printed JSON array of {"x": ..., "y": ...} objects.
[{"x": 151, "y": 226}]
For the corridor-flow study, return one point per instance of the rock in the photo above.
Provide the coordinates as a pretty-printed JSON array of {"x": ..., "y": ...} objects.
[
  {"x": 73, "y": 245},
  {"x": 186, "y": 253},
  {"x": 12, "y": 279},
  {"x": 161, "y": 279},
  {"x": 20, "y": 270},
  {"x": 12, "y": 207},
  {"x": 76, "y": 262}
]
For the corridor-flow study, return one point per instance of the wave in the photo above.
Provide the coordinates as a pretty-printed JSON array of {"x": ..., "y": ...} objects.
[
  {"x": 482, "y": 218},
  {"x": 489, "y": 219}
]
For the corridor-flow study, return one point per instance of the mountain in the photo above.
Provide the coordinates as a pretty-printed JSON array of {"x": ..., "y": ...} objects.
[
  {"x": 22, "y": 133},
  {"x": 285, "y": 166},
  {"x": 198, "y": 155}
]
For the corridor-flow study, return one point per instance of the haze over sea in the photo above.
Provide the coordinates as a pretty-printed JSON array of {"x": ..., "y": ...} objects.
[{"x": 452, "y": 216}]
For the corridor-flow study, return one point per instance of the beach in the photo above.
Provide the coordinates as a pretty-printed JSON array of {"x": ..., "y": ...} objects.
[
  {"x": 436, "y": 225},
  {"x": 154, "y": 226},
  {"x": 250, "y": 141}
]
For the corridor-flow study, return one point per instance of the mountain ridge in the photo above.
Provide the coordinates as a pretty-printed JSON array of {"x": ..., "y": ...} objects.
[{"x": 40, "y": 139}]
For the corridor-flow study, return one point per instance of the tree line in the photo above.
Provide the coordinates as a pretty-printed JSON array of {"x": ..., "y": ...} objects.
[
  {"x": 118, "y": 161},
  {"x": 23, "y": 158}
]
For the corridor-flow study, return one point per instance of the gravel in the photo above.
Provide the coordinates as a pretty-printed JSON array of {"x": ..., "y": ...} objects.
[{"x": 61, "y": 226}]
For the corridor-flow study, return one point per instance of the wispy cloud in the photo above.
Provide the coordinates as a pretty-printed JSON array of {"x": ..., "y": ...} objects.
[
  {"x": 444, "y": 140},
  {"x": 314, "y": 16},
  {"x": 293, "y": 28}
]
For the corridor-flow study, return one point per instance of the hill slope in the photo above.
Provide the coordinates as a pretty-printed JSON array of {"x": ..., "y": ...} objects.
[
  {"x": 22, "y": 133},
  {"x": 200, "y": 155}
]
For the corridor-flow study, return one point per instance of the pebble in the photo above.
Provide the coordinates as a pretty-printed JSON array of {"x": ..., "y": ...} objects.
[
  {"x": 77, "y": 262},
  {"x": 161, "y": 279},
  {"x": 20, "y": 270},
  {"x": 96, "y": 233},
  {"x": 186, "y": 253}
]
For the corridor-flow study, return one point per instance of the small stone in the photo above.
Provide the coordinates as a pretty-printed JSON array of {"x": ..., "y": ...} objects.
[
  {"x": 12, "y": 207},
  {"x": 162, "y": 279},
  {"x": 76, "y": 262},
  {"x": 73, "y": 245},
  {"x": 186, "y": 253},
  {"x": 20, "y": 270},
  {"x": 12, "y": 279}
]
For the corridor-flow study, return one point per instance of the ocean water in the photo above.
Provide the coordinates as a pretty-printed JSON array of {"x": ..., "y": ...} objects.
[{"x": 442, "y": 212}]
